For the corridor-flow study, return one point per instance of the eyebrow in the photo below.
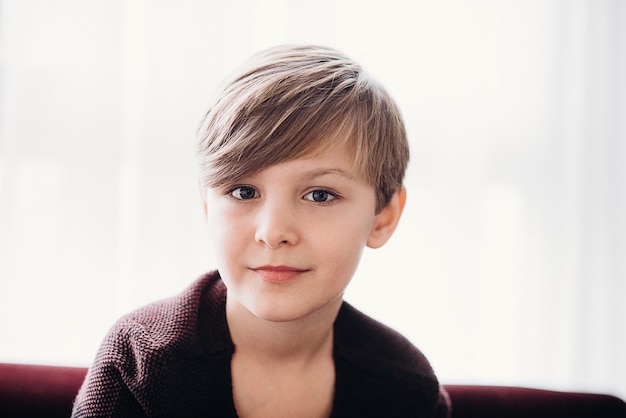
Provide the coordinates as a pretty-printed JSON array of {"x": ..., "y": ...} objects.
[{"x": 326, "y": 171}]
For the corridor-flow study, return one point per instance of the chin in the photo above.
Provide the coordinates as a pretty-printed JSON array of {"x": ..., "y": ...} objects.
[
  {"x": 284, "y": 314},
  {"x": 296, "y": 310}
]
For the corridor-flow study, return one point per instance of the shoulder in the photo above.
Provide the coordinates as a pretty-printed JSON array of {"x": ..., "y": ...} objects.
[
  {"x": 176, "y": 324},
  {"x": 162, "y": 355},
  {"x": 381, "y": 370},
  {"x": 159, "y": 341},
  {"x": 378, "y": 349}
]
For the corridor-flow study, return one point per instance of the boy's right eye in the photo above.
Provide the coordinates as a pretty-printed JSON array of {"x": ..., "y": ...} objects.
[{"x": 243, "y": 193}]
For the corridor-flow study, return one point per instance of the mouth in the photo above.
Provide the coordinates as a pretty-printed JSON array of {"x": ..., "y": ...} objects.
[{"x": 278, "y": 274}]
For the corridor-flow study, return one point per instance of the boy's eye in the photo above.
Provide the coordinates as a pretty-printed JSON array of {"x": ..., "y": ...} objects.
[
  {"x": 320, "y": 196},
  {"x": 243, "y": 193}
]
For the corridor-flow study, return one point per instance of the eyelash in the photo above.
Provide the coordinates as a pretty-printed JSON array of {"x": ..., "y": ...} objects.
[
  {"x": 333, "y": 196},
  {"x": 232, "y": 190}
]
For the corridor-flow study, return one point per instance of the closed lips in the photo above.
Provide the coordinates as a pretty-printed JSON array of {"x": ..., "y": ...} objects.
[{"x": 278, "y": 274}]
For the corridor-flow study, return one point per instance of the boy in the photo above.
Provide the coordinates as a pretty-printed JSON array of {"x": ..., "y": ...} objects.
[{"x": 301, "y": 163}]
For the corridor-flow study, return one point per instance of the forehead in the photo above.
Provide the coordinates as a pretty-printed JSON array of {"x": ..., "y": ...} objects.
[
  {"x": 250, "y": 148},
  {"x": 337, "y": 161}
]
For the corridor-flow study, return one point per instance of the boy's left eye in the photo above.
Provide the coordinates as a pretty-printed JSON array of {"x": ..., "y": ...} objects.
[{"x": 320, "y": 196}]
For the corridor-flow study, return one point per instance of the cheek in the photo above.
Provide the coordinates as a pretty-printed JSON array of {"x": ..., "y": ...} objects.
[
  {"x": 222, "y": 237},
  {"x": 220, "y": 221},
  {"x": 343, "y": 246},
  {"x": 212, "y": 228}
]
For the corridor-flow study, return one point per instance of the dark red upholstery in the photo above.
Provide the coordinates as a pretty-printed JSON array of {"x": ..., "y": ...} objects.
[
  {"x": 515, "y": 402},
  {"x": 38, "y": 391},
  {"x": 48, "y": 391}
]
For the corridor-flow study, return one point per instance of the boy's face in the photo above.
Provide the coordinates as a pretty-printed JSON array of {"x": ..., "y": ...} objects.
[{"x": 289, "y": 238}]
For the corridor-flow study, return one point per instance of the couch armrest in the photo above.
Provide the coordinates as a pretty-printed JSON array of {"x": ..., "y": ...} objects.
[
  {"x": 515, "y": 402},
  {"x": 38, "y": 391},
  {"x": 48, "y": 391}
]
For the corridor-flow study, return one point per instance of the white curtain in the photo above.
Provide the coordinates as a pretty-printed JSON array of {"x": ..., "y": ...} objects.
[{"x": 510, "y": 263}]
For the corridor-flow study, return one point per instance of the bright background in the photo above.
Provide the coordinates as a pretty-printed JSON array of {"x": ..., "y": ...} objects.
[{"x": 510, "y": 263}]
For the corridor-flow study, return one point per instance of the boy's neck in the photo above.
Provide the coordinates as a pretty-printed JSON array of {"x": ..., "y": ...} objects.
[{"x": 302, "y": 340}]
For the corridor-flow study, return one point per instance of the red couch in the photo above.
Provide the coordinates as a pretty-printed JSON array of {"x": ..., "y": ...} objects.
[{"x": 48, "y": 391}]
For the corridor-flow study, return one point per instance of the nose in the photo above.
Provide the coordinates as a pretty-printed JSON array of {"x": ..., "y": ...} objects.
[{"x": 276, "y": 224}]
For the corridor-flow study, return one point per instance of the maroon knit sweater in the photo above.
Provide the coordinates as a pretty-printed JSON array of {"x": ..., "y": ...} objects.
[{"x": 172, "y": 359}]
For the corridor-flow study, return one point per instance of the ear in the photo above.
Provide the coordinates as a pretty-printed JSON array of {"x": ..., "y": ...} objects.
[
  {"x": 387, "y": 220},
  {"x": 202, "y": 191}
]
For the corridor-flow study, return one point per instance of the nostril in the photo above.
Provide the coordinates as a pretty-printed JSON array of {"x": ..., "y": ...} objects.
[{"x": 275, "y": 225}]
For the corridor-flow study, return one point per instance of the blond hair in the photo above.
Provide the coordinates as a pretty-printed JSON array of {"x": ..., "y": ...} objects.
[{"x": 290, "y": 102}]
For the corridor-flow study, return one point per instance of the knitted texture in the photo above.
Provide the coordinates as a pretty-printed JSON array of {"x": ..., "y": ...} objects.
[{"x": 172, "y": 358}]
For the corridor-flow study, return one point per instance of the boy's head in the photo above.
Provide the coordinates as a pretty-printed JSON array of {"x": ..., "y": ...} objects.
[{"x": 290, "y": 102}]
